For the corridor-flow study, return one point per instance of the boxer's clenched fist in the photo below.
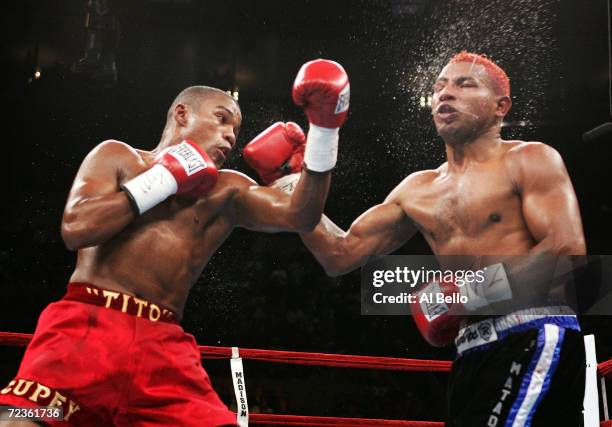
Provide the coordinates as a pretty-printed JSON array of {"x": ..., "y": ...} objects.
[
  {"x": 276, "y": 152},
  {"x": 180, "y": 169}
]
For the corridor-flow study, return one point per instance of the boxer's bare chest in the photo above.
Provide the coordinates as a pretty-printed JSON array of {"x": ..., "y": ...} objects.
[
  {"x": 466, "y": 212},
  {"x": 160, "y": 254},
  {"x": 184, "y": 229}
]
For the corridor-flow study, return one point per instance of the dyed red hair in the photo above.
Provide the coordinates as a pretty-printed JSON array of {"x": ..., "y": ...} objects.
[{"x": 497, "y": 75}]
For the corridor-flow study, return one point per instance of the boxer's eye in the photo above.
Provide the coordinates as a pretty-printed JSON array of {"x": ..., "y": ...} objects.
[{"x": 466, "y": 82}]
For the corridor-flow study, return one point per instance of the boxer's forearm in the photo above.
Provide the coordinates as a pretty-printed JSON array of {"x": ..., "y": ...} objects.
[
  {"x": 532, "y": 279},
  {"x": 93, "y": 221},
  {"x": 308, "y": 199},
  {"x": 328, "y": 243},
  {"x": 567, "y": 245},
  {"x": 531, "y": 276},
  {"x": 536, "y": 272}
]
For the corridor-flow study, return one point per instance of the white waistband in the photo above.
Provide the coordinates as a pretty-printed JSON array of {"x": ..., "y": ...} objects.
[{"x": 488, "y": 330}]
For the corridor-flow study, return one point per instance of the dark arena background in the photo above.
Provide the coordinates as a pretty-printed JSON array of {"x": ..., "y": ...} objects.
[{"x": 70, "y": 83}]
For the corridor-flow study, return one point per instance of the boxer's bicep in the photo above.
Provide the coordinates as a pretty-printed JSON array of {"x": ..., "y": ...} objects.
[
  {"x": 549, "y": 203},
  {"x": 262, "y": 208},
  {"x": 271, "y": 210},
  {"x": 381, "y": 229}
]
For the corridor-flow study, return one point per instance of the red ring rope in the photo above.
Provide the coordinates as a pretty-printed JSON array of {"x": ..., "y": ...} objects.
[
  {"x": 306, "y": 358},
  {"x": 605, "y": 369},
  {"x": 336, "y": 360},
  {"x": 300, "y": 420},
  {"x": 293, "y": 357}
]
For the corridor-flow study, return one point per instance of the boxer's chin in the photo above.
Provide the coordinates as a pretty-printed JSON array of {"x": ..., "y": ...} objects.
[
  {"x": 218, "y": 157},
  {"x": 452, "y": 133},
  {"x": 447, "y": 130}
]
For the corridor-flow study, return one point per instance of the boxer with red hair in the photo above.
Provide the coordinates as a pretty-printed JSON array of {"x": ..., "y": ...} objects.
[
  {"x": 499, "y": 78},
  {"x": 492, "y": 200}
]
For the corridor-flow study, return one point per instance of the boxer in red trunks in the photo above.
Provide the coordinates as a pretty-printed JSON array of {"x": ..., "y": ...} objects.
[{"x": 145, "y": 223}]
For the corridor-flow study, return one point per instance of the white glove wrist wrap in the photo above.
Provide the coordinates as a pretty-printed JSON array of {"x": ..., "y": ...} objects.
[
  {"x": 150, "y": 188},
  {"x": 321, "y": 150}
]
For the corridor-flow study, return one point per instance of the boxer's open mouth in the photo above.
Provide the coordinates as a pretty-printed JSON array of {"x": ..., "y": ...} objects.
[{"x": 445, "y": 109}]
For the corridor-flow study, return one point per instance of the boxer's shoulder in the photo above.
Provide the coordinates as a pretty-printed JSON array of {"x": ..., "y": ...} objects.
[
  {"x": 415, "y": 182},
  {"x": 113, "y": 146},
  {"x": 526, "y": 157},
  {"x": 420, "y": 179},
  {"x": 230, "y": 177},
  {"x": 117, "y": 151},
  {"x": 112, "y": 157},
  {"x": 518, "y": 150},
  {"x": 231, "y": 183}
]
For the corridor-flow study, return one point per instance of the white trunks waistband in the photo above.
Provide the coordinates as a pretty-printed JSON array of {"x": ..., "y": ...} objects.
[{"x": 493, "y": 329}]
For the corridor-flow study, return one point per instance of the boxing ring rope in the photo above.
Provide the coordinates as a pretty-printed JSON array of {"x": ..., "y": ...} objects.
[
  {"x": 604, "y": 370},
  {"x": 324, "y": 359},
  {"x": 301, "y": 420}
]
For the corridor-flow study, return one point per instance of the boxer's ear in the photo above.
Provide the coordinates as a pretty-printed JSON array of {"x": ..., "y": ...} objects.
[
  {"x": 180, "y": 114},
  {"x": 504, "y": 103}
]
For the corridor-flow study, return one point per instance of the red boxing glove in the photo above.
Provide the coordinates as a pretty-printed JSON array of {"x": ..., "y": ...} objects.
[
  {"x": 184, "y": 168},
  {"x": 322, "y": 89},
  {"x": 276, "y": 152},
  {"x": 194, "y": 171},
  {"x": 437, "y": 312}
]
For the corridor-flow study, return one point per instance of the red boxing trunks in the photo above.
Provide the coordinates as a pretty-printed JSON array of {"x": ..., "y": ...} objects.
[{"x": 109, "y": 358}]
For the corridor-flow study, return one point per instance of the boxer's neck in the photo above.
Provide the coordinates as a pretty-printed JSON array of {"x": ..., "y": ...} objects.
[
  {"x": 475, "y": 150},
  {"x": 170, "y": 136}
]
